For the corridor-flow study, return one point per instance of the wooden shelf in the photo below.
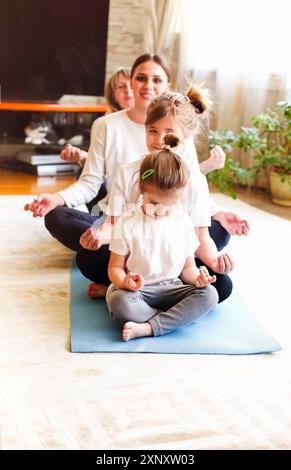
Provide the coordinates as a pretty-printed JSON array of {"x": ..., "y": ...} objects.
[
  {"x": 13, "y": 182},
  {"x": 19, "y": 142},
  {"x": 55, "y": 107}
]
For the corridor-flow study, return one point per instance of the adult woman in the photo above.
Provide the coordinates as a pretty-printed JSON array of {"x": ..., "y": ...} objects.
[{"x": 118, "y": 94}]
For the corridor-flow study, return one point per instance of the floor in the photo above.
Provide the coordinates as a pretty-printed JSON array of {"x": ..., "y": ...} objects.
[
  {"x": 13, "y": 183},
  {"x": 53, "y": 399},
  {"x": 261, "y": 199}
]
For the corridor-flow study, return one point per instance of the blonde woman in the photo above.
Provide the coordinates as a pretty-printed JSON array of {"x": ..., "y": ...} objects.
[{"x": 118, "y": 94}]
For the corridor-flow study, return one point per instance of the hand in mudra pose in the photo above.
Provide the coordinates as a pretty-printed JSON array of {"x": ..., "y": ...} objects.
[{"x": 44, "y": 203}]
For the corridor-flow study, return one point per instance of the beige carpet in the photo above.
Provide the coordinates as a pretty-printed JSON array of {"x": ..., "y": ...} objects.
[{"x": 53, "y": 399}]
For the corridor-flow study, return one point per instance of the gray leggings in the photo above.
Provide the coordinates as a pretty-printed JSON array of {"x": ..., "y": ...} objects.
[{"x": 166, "y": 305}]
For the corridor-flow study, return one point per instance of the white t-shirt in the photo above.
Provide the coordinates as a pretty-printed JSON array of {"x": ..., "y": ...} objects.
[
  {"x": 125, "y": 194},
  {"x": 156, "y": 248}
]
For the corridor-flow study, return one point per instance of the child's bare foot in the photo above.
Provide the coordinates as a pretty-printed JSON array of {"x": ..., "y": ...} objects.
[
  {"x": 96, "y": 291},
  {"x": 136, "y": 330}
]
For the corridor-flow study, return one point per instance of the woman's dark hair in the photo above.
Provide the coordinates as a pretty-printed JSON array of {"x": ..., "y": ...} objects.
[{"x": 154, "y": 58}]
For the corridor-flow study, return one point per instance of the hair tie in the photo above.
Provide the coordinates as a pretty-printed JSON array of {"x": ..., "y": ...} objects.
[
  {"x": 198, "y": 106},
  {"x": 147, "y": 173},
  {"x": 166, "y": 146}
]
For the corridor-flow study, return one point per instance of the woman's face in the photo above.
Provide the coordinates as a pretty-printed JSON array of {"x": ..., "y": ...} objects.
[
  {"x": 156, "y": 132},
  {"x": 149, "y": 80},
  {"x": 123, "y": 92}
]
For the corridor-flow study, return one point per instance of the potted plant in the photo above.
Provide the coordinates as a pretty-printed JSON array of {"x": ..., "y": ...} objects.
[{"x": 270, "y": 141}]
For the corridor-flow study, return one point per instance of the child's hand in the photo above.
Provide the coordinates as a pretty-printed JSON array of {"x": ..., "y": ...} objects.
[
  {"x": 204, "y": 279},
  {"x": 92, "y": 239},
  {"x": 44, "y": 203},
  {"x": 72, "y": 154},
  {"x": 133, "y": 282},
  {"x": 216, "y": 159},
  {"x": 232, "y": 223},
  {"x": 223, "y": 264}
]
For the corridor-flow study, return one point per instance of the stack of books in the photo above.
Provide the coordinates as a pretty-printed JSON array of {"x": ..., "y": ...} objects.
[{"x": 45, "y": 164}]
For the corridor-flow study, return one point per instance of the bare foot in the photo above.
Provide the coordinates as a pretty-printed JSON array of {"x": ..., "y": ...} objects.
[
  {"x": 136, "y": 330},
  {"x": 96, "y": 291}
]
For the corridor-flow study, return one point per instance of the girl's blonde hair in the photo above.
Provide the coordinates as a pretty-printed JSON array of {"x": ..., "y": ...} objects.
[
  {"x": 164, "y": 169},
  {"x": 190, "y": 109},
  {"x": 111, "y": 87}
]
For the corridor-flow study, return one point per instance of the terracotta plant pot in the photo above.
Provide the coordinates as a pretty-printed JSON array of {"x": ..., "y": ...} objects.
[{"x": 281, "y": 190}]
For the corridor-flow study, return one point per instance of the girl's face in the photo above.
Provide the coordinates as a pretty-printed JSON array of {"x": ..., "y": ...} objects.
[
  {"x": 157, "y": 203},
  {"x": 156, "y": 132},
  {"x": 123, "y": 92},
  {"x": 149, "y": 80}
]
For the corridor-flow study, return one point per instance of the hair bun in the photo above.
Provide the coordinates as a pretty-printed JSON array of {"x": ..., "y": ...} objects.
[
  {"x": 171, "y": 140},
  {"x": 198, "y": 98},
  {"x": 198, "y": 105}
]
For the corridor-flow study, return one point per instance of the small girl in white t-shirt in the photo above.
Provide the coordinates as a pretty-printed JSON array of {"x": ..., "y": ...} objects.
[{"x": 153, "y": 244}]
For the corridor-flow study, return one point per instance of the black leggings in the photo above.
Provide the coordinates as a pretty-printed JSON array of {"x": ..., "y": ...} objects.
[
  {"x": 223, "y": 282},
  {"x": 67, "y": 226}
]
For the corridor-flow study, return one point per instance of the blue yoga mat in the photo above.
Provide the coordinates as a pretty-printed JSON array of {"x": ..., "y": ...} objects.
[{"x": 230, "y": 328}]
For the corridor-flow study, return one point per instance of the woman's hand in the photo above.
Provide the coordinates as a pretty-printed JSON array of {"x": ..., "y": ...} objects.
[
  {"x": 232, "y": 223},
  {"x": 44, "y": 203},
  {"x": 223, "y": 264},
  {"x": 133, "y": 281},
  {"x": 73, "y": 154},
  {"x": 92, "y": 239},
  {"x": 204, "y": 279}
]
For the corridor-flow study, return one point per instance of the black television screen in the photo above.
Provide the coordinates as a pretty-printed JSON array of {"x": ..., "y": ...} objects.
[{"x": 49, "y": 48}]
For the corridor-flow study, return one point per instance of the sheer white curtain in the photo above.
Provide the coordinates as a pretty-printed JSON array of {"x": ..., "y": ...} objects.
[
  {"x": 160, "y": 26},
  {"x": 241, "y": 49}
]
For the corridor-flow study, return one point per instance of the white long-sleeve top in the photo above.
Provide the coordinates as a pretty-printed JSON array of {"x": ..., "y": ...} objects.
[{"x": 115, "y": 141}]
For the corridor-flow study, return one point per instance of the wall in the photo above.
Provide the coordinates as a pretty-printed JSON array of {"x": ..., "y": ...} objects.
[
  {"x": 124, "y": 44},
  {"x": 125, "y": 33}
]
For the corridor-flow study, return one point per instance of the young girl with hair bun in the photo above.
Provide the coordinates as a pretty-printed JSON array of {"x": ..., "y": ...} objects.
[
  {"x": 154, "y": 244},
  {"x": 179, "y": 113}
]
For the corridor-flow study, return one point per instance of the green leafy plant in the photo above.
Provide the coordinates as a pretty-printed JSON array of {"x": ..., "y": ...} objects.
[
  {"x": 232, "y": 173},
  {"x": 269, "y": 142}
]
